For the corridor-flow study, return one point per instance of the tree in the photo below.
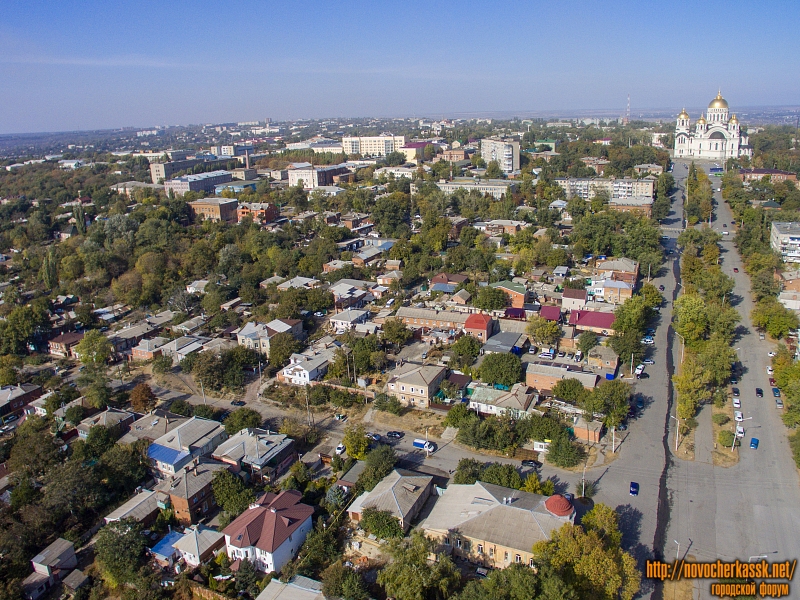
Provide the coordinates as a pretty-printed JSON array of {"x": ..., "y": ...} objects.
[
  {"x": 409, "y": 575},
  {"x": 247, "y": 578},
  {"x": 142, "y": 398},
  {"x": 281, "y": 347},
  {"x": 230, "y": 492},
  {"x": 691, "y": 318},
  {"x": 570, "y": 390},
  {"x": 503, "y": 475},
  {"x": 726, "y": 438},
  {"x": 466, "y": 346},
  {"x": 589, "y": 558},
  {"x": 339, "y": 581},
  {"x": 386, "y": 403},
  {"x": 33, "y": 452},
  {"x": 503, "y": 369},
  {"x": 119, "y": 548},
  {"x": 381, "y": 523},
  {"x": 205, "y": 411},
  {"x": 162, "y": 364},
  {"x": 490, "y": 298},
  {"x": 318, "y": 551},
  {"x": 355, "y": 441},
  {"x": 652, "y": 297},
  {"x": 396, "y": 332},
  {"x": 563, "y": 453},
  {"x": 543, "y": 331},
  {"x": 468, "y": 471},
  {"x": 379, "y": 463},
  {"x": 534, "y": 485},
  {"x": 242, "y": 418},
  {"x": 74, "y": 414},
  {"x": 493, "y": 170},
  {"x": 612, "y": 398},
  {"x": 181, "y": 407},
  {"x": 519, "y": 582},
  {"x": 94, "y": 349},
  {"x": 586, "y": 341}
]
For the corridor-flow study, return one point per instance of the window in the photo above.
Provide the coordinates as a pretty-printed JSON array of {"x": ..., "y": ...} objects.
[
  {"x": 446, "y": 541},
  {"x": 480, "y": 548},
  {"x": 458, "y": 543},
  {"x": 505, "y": 557},
  {"x": 491, "y": 552},
  {"x": 517, "y": 558},
  {"x": 530, "y": 563}
]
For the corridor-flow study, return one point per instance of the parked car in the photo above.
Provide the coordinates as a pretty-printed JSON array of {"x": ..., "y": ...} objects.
[
  {"x": 340, "y": 449},
  {"x": 340, "y": 417},
  {"x": 770, "y": 354},
  {"x": 770, "y": 370},
  {"x": 531, "y": 463},
  {"x": 772, "y": 382},
  {"x": 737, "y": 415},
  {"x": 778, "y": 403},
  {"x": 735, "y": 392},
  {"x": 649, "y": 361},
  {"x": 776, "y": 392},
  {"x": 735, "y": 269},
  {"x": 759, "y": 393},
  {"x": 319, "y": 314},
  {"x": 739, "y": 431},
  {"x": 639, "y": 403},
  {"x": 634, "y": 489},
  {"x": 237, "y": 402},
  {"x": 754, "y": 443},
  {"x": 661, "y": 288},
  {"x": 562, "y": 354},
  {"x": 375, "y": 437},
  {"x": 737, "y": 403},
  {"x": 761, "y": 336},
  {"x": 395, "y": 435}
]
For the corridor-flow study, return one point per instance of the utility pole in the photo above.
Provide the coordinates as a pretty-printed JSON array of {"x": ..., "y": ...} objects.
[{"x": 203, "y": 391}]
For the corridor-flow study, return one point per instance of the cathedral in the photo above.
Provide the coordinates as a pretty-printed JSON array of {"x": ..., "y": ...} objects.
[{"x": 715, "y": 137}]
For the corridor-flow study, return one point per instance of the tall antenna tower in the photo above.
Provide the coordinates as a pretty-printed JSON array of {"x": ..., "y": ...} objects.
[{"x": 627, "y": 118}]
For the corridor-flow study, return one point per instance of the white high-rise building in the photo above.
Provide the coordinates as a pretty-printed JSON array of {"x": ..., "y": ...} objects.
[
  {"x": 377, "y": 145},
  {"x": 506, "y": 153},
  {"x": 715, "y": 136}
]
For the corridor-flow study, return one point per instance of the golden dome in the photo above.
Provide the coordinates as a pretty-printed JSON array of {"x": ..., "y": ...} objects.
[
  {"x": 718, "y": 102},
  {"x": 734, "y": 119},
  {"x": 702, "y": 120},
  {"x": 684, "y": 114}
]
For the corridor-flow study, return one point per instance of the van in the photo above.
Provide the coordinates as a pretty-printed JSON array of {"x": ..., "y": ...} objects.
[
  {"x": 547, "y": 355},
  {"x": 578, "y": 356},
  {"x": 423, "y": 445}
]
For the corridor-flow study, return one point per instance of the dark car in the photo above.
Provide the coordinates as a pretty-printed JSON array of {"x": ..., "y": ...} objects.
[
  {"x": 237, "y": 402},
  {"x": 759, "y": 393},
  {"x": 634, "y": 488},
  {"x": 394, "y": 435},
  {"x": 622, "y": 427},
  {"x": 639, "y": 403},
  {"x": 735, "y": 269},
  {"x": 776, "y": 392},
  {"x": 531, "y": 463},
  {"x": 735, "y": 392},
  {"x": 661, "y": 288},
  {"x": 734, "y": 380},
  {"x": 772, "y": 381}
]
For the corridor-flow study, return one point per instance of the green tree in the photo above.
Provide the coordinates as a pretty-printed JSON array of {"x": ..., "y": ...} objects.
[
  {"x": 563, "y": 453},
  {"x": 339, "y": 581},
  {"x": 386, "y": 403},
  {"x": 94, "y": 349},
  {"x": 74, "y": 414},
  {"x": 281, "y": 347},
  {"x": 543, "y": 331},
  {"x": 230, "y": 492},
  {"x": 355, "y": 441},
  {"x": 468, "y": 471},
  {"x": 490, "y": 298},
  {"x": 493, "y": 170},
  {"x": 466, "y": 346},
  {"x": 519, "y": 582},
  {"x": 181, "y": 407},
  {"x": 381, "y": 523},
  {"x": 503, "y": 369},
  {"x": 586, "y": 341},
  {"x": 570, "y": 390},
  {"x": 652, "y": 297},
  {"x": 534, "y": 485},
  {"x": 379, "y": 463},
  {"x": 247, "y": 578},
  {"x": 409, "y": 575},
  {"x": 503, "y": 475},
  {"x": 318, "y": 552},
  {"x": 396, "y": 332},
  {"x": 242, "y": 418},
  {"x": 119, "y": 548}
]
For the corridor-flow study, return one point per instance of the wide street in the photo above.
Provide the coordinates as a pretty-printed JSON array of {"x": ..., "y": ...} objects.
[{"x": 747, "y": 510}]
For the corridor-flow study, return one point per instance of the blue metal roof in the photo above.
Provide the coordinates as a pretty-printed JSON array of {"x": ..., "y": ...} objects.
[
  {"x": 163, "y": 454},
  {"x": 163, "y": 550}
]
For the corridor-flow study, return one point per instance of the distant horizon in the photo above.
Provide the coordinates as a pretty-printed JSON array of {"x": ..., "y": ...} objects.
[{"x": 601, "y": 113}]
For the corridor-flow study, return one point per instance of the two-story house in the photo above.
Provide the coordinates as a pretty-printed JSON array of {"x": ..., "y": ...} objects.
[{"x": 415, "y": 385}]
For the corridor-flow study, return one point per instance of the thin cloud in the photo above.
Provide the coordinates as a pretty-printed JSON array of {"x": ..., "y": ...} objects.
[{"x": 111, "y": 61}]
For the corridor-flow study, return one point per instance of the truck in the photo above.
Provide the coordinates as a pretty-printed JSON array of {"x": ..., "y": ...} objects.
[{"x": 424, "y": 445}]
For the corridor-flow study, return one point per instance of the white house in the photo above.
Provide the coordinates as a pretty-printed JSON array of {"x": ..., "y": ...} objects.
[
  {"x": 302, "y": 370},
  {"x": 270, "y": 532},
  {"x": 348, "y": 319}
]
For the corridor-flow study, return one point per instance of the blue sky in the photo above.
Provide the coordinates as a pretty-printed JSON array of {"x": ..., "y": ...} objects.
[{"x": 98, "y": 64}]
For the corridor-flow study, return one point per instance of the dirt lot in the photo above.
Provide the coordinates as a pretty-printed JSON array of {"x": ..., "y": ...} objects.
[{"x": 415, "y": 420}]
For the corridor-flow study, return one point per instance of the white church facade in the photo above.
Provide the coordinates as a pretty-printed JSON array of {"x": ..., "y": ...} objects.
[{"x": 715, "y": 136}]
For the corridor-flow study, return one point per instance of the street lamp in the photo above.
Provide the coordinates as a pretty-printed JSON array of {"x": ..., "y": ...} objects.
[
  {"x": 677, "y": 427},
  {"x": 764, "y": 556}
]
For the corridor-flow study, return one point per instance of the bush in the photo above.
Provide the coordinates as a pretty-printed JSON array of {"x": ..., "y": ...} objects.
[
  {"x": 720, "y": 419},
  {"x": 585, "y": 490},
  {"x": 381, "y": 523},
  {"x": 389, "y": 404},
  {"x": 794, "y": 444},
  {"x": 726, "y": 438},
  {"x": 162, "y": 364},
  {"x": 563, "y": 453},
  {"x": 459, "y": 415}
]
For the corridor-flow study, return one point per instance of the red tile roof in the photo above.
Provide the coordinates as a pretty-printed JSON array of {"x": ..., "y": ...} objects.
[
  {"x": 551, "y": 313},
  {"x": 269, "y": 522},
  {"x": 588, "y": 318},
  {"x": 477, "y": 321}
]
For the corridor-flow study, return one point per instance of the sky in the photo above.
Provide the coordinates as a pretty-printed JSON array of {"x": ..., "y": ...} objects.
[{"x": 93, "y": 64}]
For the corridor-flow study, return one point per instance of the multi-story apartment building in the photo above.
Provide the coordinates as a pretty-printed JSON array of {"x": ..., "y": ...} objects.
[
  {"x": 588, "y": 187},
  {"x": 784, "y": 238},
  {"x": 505, "y": 152},
  {"x": 260, "y": 212},
  {"x": 202, "y": 182},
  {"x": 377, "y": 145},
  {"x": 496, "y": 188},
  {"x": 215, "y": 209},
  {"x": 314, "y": 177},
  {"x": 415, "y": 385},
  {"x": 160, "y": 172}
]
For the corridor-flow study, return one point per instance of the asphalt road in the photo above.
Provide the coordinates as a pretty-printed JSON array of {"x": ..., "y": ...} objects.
[{"x": 750, "y": 509}]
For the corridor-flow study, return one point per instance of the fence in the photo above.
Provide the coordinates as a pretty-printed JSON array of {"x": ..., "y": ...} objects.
[{"x": 353, "y": 390}]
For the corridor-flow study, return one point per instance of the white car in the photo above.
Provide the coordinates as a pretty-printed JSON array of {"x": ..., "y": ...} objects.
[
  {"x": 770, "y": 370},
  {"x": 737, "y": 403},
  {"x": 724, "y": 233},
  {"x": 737, "y": 415},
  {"x": 648, "y": 361},
  {"x": 739, "y": 431},
  {"x": 771, "y": 354},
  {"x": 340, "y": 449}
]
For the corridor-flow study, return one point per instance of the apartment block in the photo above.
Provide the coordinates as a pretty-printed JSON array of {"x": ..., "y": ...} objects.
[
  {"x": 314, "y": 177},
  {"x": 202, "y": 182},
  {"x": 588, "y": 187},
  {"x": 215, "y": 209},
  {"x": 496, "y": 188},
  {"x": 378, "y": 145},
  {"x": 784, "y": 238},
  {"x": 160, "y": 172},
  {"x": 505, "y": 152}
]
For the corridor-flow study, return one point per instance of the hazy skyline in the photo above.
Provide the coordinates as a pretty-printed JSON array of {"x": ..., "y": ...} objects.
[{"x": 91, "y": 65}]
